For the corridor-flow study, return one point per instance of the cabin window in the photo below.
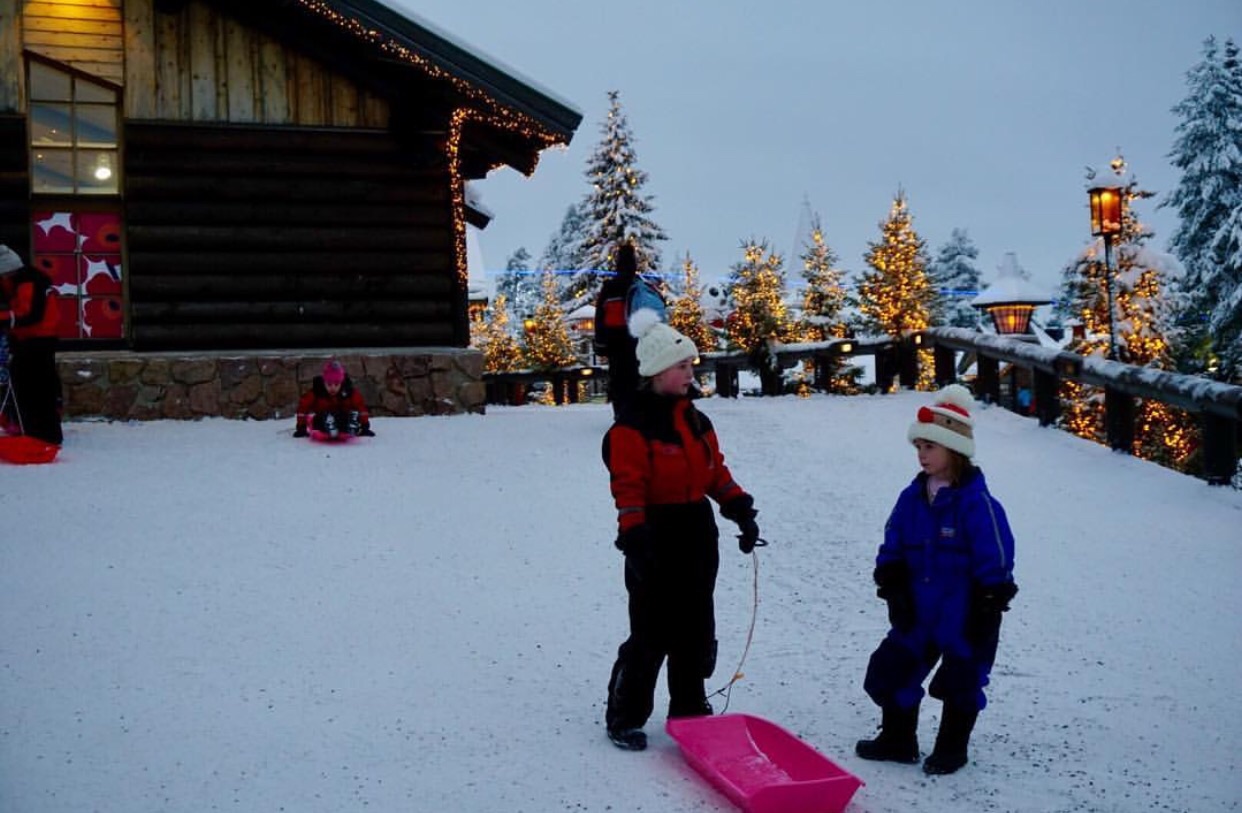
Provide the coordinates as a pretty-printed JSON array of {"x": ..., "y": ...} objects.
[
  {"x": 76, "y": 230},
  {"x": 73, "y": 133}
]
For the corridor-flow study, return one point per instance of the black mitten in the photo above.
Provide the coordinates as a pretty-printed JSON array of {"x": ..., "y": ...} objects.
[
  {"x": 987, "y": 602},
  {"x": 892, "y": 581},
  {"x": 741, "y": 510}
]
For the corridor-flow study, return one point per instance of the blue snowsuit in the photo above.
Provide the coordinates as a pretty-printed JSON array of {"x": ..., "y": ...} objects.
[{"x": 952, "y": 547}]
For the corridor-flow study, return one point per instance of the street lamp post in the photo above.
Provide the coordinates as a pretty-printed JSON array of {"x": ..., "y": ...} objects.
[{"x": 1106, "y": 214}]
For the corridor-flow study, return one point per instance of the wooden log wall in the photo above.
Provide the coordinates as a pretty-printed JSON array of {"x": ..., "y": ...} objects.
[
  {"x": 14, "y": 185},
  {"x": 260, "y": 237},
  {"x": 197, "y": 64}
]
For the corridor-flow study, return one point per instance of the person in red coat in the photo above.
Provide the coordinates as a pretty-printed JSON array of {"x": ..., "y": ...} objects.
[
  {"x": 332, "y": 406},
  {"x": 665, "y": 463},
  {"x": 28, "y": 312}
]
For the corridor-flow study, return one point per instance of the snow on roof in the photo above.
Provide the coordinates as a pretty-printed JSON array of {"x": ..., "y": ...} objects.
[{"x": 1011, "y": 286}]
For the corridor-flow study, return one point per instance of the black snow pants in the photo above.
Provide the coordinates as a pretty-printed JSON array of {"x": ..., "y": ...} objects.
[
  {"x": 672, "y": 615},
  {"x": 36, "y": 383}
]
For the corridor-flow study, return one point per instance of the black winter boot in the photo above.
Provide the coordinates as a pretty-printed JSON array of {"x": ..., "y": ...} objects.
[
  {"x": 898, "y": 740},
  {"x": 951, "y": 741}
]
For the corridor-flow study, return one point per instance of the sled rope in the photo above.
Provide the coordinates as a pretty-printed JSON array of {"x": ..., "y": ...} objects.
[{"x": 738, "y": 674}]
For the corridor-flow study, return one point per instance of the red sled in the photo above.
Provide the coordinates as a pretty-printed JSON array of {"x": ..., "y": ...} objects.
[
  {"x": 23, "y": 450},
  {"x": 324, "y": 437},
  {"x": 761, "y": 767}
]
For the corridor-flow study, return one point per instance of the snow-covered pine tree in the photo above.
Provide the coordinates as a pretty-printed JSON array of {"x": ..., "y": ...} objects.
[
  {"x": 686, "y": 314},
  {"x": 956, "y": 279},
  {"x": 895, "y": 296},
  {"x": 518, "y": 284},
  {"x": 1208, "y": 200},
  {"x": 1143, "y": 321},
  {"x": 563, "y": 254},
  {"x": 616, "y": 208}
]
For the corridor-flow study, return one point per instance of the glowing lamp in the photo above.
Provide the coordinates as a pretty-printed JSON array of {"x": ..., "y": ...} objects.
[{"x": 1106, "y": 209}]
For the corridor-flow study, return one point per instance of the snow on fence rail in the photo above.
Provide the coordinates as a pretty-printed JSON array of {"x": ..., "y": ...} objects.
[{"x": 1218, "y": 405}]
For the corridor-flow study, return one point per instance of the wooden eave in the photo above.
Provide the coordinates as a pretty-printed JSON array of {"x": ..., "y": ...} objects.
[{"x": 424, "y": 75}]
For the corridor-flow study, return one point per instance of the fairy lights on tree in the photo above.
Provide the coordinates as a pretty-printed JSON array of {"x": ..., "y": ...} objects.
[
  {"x": 760, "y": 318},
  {"x": 491, "y": 333},
  {"x": 686, "y": 315},
  {"x": 895, "y": 296},
  {"x": 547, "y": 345}
]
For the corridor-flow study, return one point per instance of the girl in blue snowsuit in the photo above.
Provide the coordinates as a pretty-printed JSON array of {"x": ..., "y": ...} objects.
[{"x": 945, "y": 569}]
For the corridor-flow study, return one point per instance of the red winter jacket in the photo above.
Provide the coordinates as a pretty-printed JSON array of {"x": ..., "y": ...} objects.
[
  {"x": 31, "y": 312},
  {"x": 318, "y": 401},
  {"x": 663, "y": 451}
]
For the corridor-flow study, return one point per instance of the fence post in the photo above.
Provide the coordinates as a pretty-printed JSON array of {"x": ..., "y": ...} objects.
[
  {"x": 1119, "y": 420},
  {"x": 945, "y": 365},
  {"x": 1047, "y": 400},
  {"x": 988, "y": 379},
  {"x": 886, "y": 365},
  {"x": 908, "y": 361},
  {"x": 726, "y": 380},
  {"x": 1220, "y": 449}
]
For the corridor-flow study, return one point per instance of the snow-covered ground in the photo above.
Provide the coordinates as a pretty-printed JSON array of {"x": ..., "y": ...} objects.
[{"x": 214, "y": 616}]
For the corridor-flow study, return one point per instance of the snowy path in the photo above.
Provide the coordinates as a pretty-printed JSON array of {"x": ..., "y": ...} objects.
[{"x": 212, "y": 616}]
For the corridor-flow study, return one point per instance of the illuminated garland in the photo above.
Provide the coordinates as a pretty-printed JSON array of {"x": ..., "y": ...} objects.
[
  {"x": 389, "y": 46},
  {"x": 687, "y": 312}
]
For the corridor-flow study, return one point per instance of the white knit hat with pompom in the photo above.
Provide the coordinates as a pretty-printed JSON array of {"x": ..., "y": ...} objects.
[
  {"x": 659, "y": 346},
  {"x": 947, "y": 421},
  {"x": 10, "y": 260}
]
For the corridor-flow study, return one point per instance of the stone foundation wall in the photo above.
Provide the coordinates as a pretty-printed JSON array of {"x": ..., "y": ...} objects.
[{"x": 124, "y": 385}]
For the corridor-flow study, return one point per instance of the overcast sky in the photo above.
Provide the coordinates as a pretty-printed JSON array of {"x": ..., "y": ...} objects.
[{"x": 985, "y": 111}]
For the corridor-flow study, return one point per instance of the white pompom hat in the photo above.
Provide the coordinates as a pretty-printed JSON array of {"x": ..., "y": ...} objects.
[
  {"x": 947, "y": 421},
  {"x": 659, "y": 346},
  {"x": 10, "y": 260}
]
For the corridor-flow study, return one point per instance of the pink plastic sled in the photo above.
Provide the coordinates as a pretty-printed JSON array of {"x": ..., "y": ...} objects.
[{"x": 761, "y": 767}]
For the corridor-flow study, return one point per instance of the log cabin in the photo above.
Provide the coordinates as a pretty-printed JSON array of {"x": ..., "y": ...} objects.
[{"x": 253, "y": 175}]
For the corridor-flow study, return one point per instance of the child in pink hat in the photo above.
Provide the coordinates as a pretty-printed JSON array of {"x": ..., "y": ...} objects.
[{"x": 333, "y": 406}]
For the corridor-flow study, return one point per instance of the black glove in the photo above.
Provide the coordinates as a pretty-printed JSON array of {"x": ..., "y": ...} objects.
[
  {"x": 892, "y": 580},
  {"x": 366, "y": 432},
  {"x": 742, "y": 511},
  {"x": 300, "y": 432},
  {"x": 987, "y": 602}
]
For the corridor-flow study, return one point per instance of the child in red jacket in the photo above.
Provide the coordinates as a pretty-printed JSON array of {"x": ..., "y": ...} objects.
[
  {"x": 333, "y": 406},
  {"x": 665, "y": 467}
]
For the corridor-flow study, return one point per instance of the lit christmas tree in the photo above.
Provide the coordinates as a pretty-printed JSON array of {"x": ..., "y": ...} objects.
[
  {"x": 686, "y": 315},
  {"x": 824, "y": 297},
  {"x": 547, "y": 345},
  {"x": 823, "y": 300},
  {"x": 491, "y": 333},
  {"x": 760, "y": 318},
  {"x": 895, "y": 296},
  {"x": 616, "y": 209},
  {"x": 1142, "y": 320}
]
